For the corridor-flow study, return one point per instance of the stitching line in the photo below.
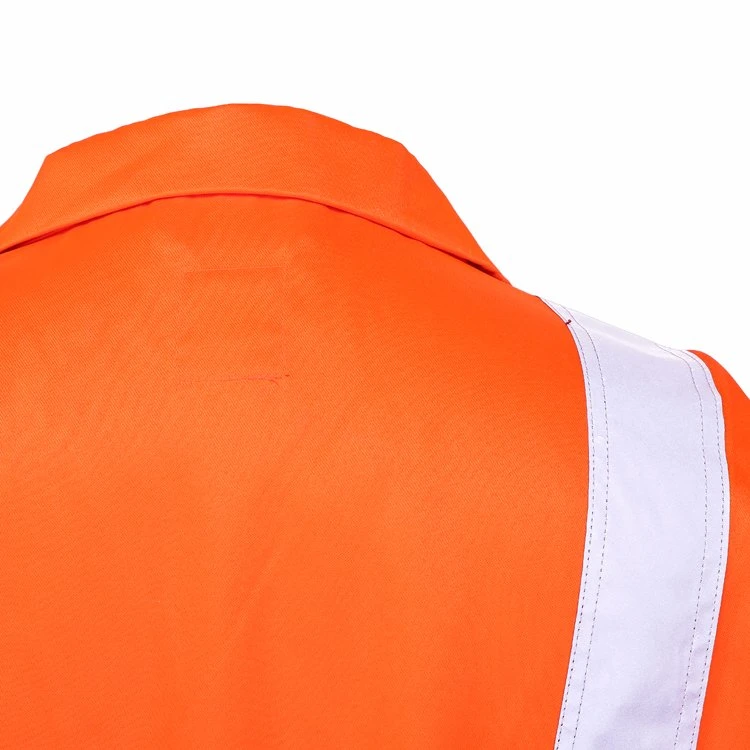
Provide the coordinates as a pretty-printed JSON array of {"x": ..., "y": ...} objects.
[
  {"x": 606, "y": 517},
  {"x": 685, "y": 358},
  {"x": 485, "y": 266},
  {"x": 691, "y": 653},
  {"x": 720, "y": 566},
  {"x": 592, "y": 504}
]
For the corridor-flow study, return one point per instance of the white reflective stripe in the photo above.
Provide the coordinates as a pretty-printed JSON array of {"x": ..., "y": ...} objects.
[{"x": 656, "y": 545}]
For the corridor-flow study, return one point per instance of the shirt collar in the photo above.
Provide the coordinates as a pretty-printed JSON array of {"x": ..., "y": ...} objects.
[{"x": 242, "y": 149}]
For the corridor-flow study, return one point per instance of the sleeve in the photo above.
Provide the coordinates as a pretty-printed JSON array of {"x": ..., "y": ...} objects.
[{"x": 726, "y": 713}]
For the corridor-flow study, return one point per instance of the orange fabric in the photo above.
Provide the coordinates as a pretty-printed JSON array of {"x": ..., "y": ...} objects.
[
  {"x": 274, "y": 151},
  {"x": 286, "y": 462},
  {"x": 726, "y": 713},
  {"x": 276, "y": 475}
]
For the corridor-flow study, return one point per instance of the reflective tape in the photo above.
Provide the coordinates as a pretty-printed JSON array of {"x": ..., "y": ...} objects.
[{"x": 656, "y": 544}]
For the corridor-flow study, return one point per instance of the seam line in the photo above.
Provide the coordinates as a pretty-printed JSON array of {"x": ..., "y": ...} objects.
[
  {"x": 720, "y": 566},
  {"x": 691, "y": 653},
  {"x": 605, "y": 523},
  {"x": 591, "y": 519}
]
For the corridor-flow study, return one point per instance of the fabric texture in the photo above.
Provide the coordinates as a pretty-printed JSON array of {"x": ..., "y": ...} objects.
[
  {"x": 656, "y": 544},
  {"x": 287, "y": 462}
]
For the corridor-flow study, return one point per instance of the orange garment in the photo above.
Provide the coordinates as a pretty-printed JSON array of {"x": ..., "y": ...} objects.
[{"x": 286, "y": 462}]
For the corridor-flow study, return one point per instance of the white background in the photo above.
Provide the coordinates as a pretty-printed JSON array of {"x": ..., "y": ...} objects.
[{"x": 599, "y": 151}]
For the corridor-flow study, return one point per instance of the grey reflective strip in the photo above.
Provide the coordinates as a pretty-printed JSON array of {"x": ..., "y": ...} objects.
[{"x": 656, "y": 545}]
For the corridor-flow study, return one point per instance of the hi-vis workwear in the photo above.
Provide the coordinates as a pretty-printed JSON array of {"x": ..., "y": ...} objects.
[{"x": 287, "y": 463}]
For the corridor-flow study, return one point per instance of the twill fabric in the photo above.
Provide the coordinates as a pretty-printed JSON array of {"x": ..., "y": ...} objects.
[{"x": 287, "y": 462}]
